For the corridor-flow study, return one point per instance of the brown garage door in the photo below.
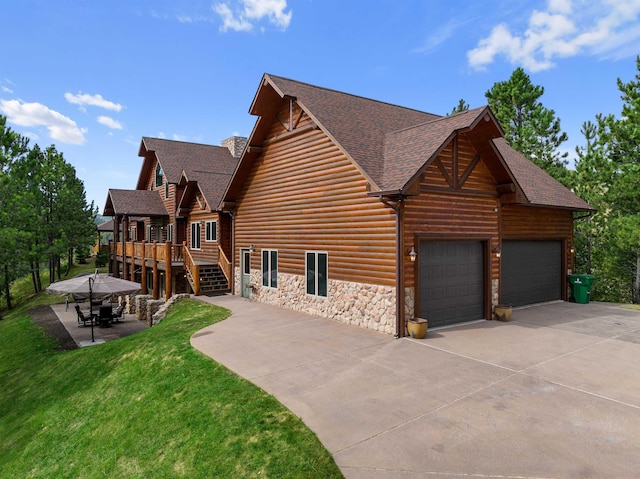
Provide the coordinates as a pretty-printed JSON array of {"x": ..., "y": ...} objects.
[
  {"x": 451, "y": 281},
  {"x": 531, "y": 272}
]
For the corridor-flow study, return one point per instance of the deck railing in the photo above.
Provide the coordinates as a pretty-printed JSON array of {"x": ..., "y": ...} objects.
[
  {"x": 192, "y": 268},
  {"x": 224, "y": 264},
  {"x": 143, "y": 250}
]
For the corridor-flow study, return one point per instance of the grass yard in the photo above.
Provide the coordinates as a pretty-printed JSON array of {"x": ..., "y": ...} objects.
[{"x": 144, "y": 406}]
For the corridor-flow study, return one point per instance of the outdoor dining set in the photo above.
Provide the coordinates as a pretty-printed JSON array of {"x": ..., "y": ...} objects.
[{"x": 100, "y": 314}]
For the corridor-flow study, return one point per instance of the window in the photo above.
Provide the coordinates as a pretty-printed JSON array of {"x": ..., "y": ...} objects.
[
  {"x": 149, "y": 233},
  {"x": 316, "y": 268},
  {"x": 211, "y": 231},
  {"x": 166, "y": 190},
  {"x": 170, "y": 233},
  {"x": 270, "y": 268},
  {"x": 195, "y": 235},
  {"x": 133, "y": 235},
  {"x": 158, "y": 175}
]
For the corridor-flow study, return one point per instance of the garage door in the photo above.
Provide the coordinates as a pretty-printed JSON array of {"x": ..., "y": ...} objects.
[
  {"x": 531, "y": 272},
  {"x": 451, "y": 281}
]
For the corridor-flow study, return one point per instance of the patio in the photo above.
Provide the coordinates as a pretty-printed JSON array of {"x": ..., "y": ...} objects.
[{"x": 82, "y": 334}]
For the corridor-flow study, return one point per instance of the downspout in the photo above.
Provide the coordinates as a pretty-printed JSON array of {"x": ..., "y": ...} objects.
[
  {"x": 399, "y": 269},
  {"x": 398, "y": 207}
]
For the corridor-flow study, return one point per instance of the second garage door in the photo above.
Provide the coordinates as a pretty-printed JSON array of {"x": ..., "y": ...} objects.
[
  {"x": 451, "y": 281},
  {"x": 531, "y": 272}
]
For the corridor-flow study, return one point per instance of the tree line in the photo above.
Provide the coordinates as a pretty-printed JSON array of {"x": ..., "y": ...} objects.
[
  {"x": 606, "y": 175},
  {"x": 44, "y": 215}
]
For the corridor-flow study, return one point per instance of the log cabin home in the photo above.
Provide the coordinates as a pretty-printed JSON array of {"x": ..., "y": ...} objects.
[
  {"x": 170, "y": 236},
  {"x": 371, "y": 213}
]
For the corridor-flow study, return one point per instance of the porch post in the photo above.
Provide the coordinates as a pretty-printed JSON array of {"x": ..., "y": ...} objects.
[
  {"x": 168, "y": 280},
  {"x": 115, "y": 270},
  {"x": 156, "y": 278},
  {"x": 143, "y": 279},
  {"x": 125, "y": 228}
]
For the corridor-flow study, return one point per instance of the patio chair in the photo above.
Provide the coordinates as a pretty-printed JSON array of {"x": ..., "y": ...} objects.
[
  {"x": 118, "y": 313},
  {"x": 84, "y": 318}
]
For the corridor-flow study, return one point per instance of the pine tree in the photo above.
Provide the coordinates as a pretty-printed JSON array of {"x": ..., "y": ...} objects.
[{"x": 529, "y": 127}]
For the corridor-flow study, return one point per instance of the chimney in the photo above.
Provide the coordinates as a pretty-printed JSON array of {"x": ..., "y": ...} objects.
[{"x": 235, "y": 144}]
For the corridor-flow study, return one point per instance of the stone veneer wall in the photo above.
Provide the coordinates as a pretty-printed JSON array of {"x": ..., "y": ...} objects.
[{"x": 364, "y": 305}]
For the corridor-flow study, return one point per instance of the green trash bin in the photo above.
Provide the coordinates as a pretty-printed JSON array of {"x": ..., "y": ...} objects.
[{"x": 581, "y": 287}]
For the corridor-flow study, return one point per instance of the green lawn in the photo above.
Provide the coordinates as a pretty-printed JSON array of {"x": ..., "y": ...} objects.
[{"x": 145, "y": 406}]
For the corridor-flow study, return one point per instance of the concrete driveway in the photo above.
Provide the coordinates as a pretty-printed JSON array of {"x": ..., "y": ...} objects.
[{"x": 555, "y": 393}]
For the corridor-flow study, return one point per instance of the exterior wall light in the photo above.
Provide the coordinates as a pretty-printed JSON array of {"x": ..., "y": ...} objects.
[
  {"x": 413, "y": 255},
  {"x": 497, "y": 252},
  {"x": 252, "y": 247}
]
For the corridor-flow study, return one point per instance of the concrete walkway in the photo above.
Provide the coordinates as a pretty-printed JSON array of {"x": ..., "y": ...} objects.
[{"x": 555, "y": 393}]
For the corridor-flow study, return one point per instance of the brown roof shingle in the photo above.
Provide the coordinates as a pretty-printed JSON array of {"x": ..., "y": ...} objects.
[
  {"x": 178, "y": 156},
  {"x": 536, "y": 184},
  {"x": 358, "y": 124},
  {"x": 391, "y": 144},
  {"x": 408, "y": 150},
  {"x": 134, "y": 203}
]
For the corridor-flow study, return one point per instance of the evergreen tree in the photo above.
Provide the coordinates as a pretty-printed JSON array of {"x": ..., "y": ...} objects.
[
  {"x": 529, "y": 127},
  {"x": 460, "y": 107},
  {"x": 608, "y": 176}
]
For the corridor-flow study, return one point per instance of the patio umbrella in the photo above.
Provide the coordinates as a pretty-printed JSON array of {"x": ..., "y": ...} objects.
[
  {"x": 91, "y": 286},
  {"x": 96, "y": 285}
]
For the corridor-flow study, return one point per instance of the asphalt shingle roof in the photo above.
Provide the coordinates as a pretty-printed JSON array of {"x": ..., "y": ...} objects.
[
  {"x": 536, "y": 184},
  {"x": 358, "y": 124},
  {"x": 210, "y": 166},
  {"x": 134, "y": 203},
  {"x": 407, "y": 151},
  {"x": 392, "y": 143}
]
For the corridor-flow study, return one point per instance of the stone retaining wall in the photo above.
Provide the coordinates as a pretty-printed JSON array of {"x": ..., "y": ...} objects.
[{"x": 358, "y": 304}]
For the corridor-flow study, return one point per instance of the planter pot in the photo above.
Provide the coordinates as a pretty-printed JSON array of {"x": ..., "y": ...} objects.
[
  {"x": 417, "y": 327},
  {"x": 503, "y": 312}
]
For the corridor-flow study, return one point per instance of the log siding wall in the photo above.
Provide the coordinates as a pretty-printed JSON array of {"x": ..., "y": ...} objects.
[{"x": 304, "y": 194}]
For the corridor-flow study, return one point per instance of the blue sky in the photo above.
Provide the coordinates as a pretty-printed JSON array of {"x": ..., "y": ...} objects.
[{"x": 93, "y": 77}]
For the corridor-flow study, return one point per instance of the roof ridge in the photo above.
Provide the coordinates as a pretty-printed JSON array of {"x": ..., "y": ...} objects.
[
  {"x": 352, "y": 95},
  {"x": 183, "y": 142},
  {"x": 436, "y": 120}
]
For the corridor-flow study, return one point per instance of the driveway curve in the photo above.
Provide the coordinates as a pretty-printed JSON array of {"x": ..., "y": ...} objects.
[{"x": 555, "y": 393}]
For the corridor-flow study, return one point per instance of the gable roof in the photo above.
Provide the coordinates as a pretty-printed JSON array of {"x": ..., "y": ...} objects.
[
  {"x": 359, "y": 125},
  {"x": 212, "y": 185},
  {"x": 407, "y": 151},
  {"x": 178, "y": 156},
  {"x": 391, "y": 144},
  {"x": 145, "y": 203},
  {"x": 537, "y": 185}
]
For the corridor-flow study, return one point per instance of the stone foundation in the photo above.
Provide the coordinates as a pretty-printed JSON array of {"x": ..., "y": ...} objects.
[
  {"x": 367, "y": 306},
  {"x": 409, "y": 303},
  {"x": 141, "y": 306},
  {"x": 153, "y": 305}
]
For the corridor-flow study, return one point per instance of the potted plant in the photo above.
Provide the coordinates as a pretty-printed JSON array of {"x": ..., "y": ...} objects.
[
  {"x": 417, "y": 327},
  {"x": 503, "y": 312}
]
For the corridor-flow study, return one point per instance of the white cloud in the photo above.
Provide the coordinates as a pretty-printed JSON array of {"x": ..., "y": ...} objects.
[
  {"x": 606, "y": 28},
  {"x": 60, "y": 127},
  {"x": 6, "y": 89},
  {"x": 246, "y": 13},
  {"x": 110, "y": 122},
  {"x": 84, "y": 99},
  {"x": 177, "y": 137}
]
